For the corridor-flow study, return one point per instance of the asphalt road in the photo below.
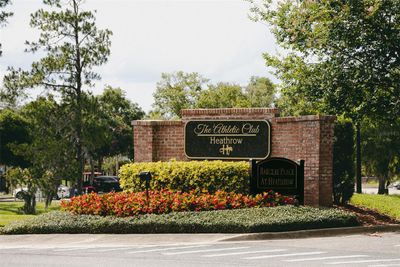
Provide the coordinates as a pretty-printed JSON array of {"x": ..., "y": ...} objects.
[{"x": 356, "y": 250}]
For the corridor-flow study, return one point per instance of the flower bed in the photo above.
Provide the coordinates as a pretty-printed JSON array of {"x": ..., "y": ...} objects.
[{"x": 166, "y": 201}]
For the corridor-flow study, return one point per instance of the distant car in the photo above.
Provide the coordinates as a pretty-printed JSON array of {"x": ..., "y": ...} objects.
[
  {"x": 87, "y": 189},
  {"x": 106, "y": 183},
  {"x": 397, "y": 186},
  {"x": 62, "y": 192}
]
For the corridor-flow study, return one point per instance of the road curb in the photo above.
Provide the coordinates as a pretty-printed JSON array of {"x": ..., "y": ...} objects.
[{"x": 315, "y": 233}]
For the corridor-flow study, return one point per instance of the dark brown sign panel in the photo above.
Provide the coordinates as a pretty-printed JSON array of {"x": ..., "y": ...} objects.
[
  {"x": 280, "y": 175},
  {"x": 227, "y": 139}
]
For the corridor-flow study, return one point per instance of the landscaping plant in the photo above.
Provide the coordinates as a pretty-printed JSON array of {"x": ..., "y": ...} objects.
[
  {"x": 188, "y": 175},
  {"x": 166, "y": 201}
]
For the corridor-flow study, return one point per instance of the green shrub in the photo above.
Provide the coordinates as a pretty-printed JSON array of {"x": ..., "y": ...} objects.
[
  {"x": 282, "y": 218},
  {"x": 343, "y": 163},
  {"x": 188, "y": 175}
]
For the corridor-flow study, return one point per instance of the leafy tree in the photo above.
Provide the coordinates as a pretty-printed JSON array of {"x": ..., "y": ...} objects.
[
  {"x": 96, "y": 130},
  {"x": 4, "y": 15},
  {"x": 381, "y": 150},
  {"x": 177, "y": 91},
  {"x": 72, "y": 46},
  {"x": 223, "y": 95},
  {"x": 19, "y": 176},
  {"x": 107, "y": 125},
  {"x": 111, "y": 165},
  {"x": 120, "y": 112},
  {"x": 260, "y": 91},
  {"x": 343, "y": 164},
  {"x": 14, "y": 130},
  {"x": 51, "y": 151},
  {"x": 342, "y": 57}
]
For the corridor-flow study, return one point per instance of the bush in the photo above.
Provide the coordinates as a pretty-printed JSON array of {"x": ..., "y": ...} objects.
[
  {"x": 343, "y": 163},
  {"x": 165, "y": 201},
  {"x": 283, "y": 218},
  {"x": 186, "y": 176}
]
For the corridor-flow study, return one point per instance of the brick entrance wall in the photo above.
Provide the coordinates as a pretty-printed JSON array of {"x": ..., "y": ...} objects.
[{"x": 306, "y": 137}]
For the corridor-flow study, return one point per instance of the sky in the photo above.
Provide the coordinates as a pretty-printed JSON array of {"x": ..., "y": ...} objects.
[{"x": 212, "y": 37}]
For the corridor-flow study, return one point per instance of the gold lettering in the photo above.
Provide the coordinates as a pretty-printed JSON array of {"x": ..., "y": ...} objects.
[
  {"x": 221, "y": 128},
  {"x": 225, "y": 141},
  {"x": 202, "y": 129},
  {"x": 249, "y": 128}
]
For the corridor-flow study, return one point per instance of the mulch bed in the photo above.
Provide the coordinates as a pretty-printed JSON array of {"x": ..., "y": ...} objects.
[{"x": 368, "y": 217}]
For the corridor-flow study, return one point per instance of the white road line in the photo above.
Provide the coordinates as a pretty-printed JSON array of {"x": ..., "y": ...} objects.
[
  {"x": 384, "y": 265},
  {"x": 362, "y": 261},
  {"x": 397, "y": 245},
  {"x": 98, "y": 249},
  {"x": 285, "y": 255},
  {"x": 112, "y": 249},
  {"x": 203, "y": 250},
  {"x": 327, "y": 258},
  {"x": 67, "y": 249},
  {"x": 244, "y": 252},
  {"x": 27, "y": 249},
  {"x": 164, "y": 249}
]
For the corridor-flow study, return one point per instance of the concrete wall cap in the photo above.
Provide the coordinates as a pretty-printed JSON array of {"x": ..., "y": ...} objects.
[
  {"x": 221, "y": 111},
  {"x": 156, "y": 123},
  {"x": 329, "y": 118}
]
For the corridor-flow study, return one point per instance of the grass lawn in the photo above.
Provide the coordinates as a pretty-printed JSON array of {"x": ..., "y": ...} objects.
[
  {"x": 384, "y": 204},
  {"x": 10, "y": 211}
]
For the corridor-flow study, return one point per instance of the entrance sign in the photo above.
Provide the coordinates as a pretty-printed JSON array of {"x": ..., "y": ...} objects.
[
  {"x": 280, "y": 175},
  {"x": 227, "y": 139}
]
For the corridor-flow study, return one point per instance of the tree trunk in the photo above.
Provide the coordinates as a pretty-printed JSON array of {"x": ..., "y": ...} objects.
[
  {"x": 30, "y": 204},
  {"x": 78, "y": 80},
  {"x": 91, "y": 170},
  {"x": 49, "y": 199},
  {"x": 382, "y": 186},
  {"x": 100, "y": 164},
  {"x": 117, "y": 165},
  {"x": 358, "y": 158}
]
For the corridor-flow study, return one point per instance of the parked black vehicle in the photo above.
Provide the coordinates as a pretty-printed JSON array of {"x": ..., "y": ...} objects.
[{"x": 106, "y": 183}]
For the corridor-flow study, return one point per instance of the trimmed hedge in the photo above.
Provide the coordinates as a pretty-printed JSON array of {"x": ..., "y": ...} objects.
[
  {"x": 188, "y": 175},
  {"x": 165, "y": 201},
  {"x": 276, "y": 219}
]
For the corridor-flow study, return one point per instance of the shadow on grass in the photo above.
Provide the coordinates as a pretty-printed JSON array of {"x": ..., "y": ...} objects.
[
  {"x": 11, "y": 208},
  {"x": 15, "y": 208}
]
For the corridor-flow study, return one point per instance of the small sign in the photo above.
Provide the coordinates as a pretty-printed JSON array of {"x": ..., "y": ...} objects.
[
  {"x": 280, "y": 175},
  {"x": 227, "y": 139}
]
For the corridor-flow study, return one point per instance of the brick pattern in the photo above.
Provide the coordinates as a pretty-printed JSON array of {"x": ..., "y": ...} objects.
[
  {"x": 158, "y": 140},
  {"x": 307, "y": 137}
]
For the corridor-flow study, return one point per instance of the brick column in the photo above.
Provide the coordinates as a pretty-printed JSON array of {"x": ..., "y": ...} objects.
[
  {"x": 326, "y": 161},
  {"x": 143, "y": 134},
  {"x": 309, "y": 138}
]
